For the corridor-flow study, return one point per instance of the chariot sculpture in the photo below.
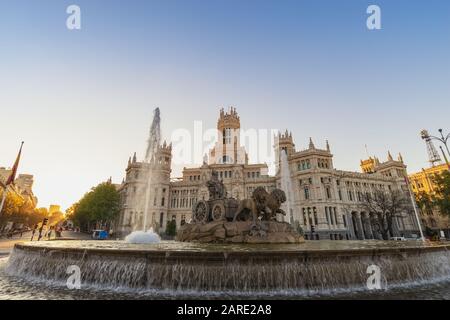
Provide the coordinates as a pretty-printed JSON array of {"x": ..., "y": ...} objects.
[{"x": 261, "y": 206}]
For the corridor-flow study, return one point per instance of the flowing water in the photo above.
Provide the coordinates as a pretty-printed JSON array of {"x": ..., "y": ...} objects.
[
  {"x": 170, "y": 270},
  {"x": 286, "y": 185},
  {"x": 142, "y": 201},
  {"x": 142, "y": 237}
]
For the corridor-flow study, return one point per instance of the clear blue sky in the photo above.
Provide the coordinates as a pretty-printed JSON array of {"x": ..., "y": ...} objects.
[{"x": 83, "y": 100}]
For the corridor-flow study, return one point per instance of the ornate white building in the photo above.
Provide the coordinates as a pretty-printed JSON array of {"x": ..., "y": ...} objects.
[{"x": 326, "y": 202}]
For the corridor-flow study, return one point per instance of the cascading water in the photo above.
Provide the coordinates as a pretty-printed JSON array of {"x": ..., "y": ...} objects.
[
  {"x": 153, "y": 143},
  {"x": 286, "y": 184},
  {"x": 181, "y": 268}
]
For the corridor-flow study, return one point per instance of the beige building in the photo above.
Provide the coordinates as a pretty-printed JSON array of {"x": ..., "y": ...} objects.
[
  {"x": 23, "y": 185},
  {"x": 326, "y": 202},
  {"x": 422, "y": 182}
]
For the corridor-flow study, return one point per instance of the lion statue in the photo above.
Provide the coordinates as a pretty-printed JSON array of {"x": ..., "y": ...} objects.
[{"x": 263, "y": 204}]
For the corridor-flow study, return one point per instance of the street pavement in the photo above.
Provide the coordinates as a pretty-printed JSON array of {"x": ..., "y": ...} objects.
[{"x": 6, "y": 245}]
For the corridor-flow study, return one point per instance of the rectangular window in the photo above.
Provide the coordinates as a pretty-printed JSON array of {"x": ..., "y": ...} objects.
[
  {"x": 333, "y": 222},
  {"x": 306, "y": 193}
]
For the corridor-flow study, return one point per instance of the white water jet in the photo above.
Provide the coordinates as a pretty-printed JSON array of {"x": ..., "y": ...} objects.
[
  {"x": 142, "y": 237},
  {"x": 152, "y": 148},
  {"x": 286, "y": 184},
  {"x": 153, "y": 142}
]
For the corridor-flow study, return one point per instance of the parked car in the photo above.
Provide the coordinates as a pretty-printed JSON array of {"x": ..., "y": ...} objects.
[
  {"x": 398, "y": 238},
  {"x": 100, "y": 235}
]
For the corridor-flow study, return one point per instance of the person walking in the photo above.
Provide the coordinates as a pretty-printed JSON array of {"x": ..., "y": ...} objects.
[
  {"x": 49, "y": 233},
  {"x": 33, "y": 231}
]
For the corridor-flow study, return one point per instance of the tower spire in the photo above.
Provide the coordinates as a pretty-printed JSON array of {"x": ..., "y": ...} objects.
[
  {"x": 390, "y": 156},
  {"x": 311, "y": 144}
]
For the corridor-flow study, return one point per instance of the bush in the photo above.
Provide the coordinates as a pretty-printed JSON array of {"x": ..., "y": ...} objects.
[{"x": 171, "y": 228}]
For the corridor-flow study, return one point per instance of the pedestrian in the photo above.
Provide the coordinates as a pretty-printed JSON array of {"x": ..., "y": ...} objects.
[
  {"x": 40, "y": 233},
  {"x": 49, "y": 233},
  {"x": 33, "y": 231},
  {"x": 58, "y": 231}
]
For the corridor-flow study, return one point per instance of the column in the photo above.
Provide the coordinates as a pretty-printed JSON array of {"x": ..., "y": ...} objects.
[{"x": 360, "y": 226}]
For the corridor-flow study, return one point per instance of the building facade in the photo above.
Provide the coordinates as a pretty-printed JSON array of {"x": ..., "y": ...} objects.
[
  {"x": 23, "y": 185},
  {"x": 326, "y": 202},
  {"x": 422, "y": 182}
]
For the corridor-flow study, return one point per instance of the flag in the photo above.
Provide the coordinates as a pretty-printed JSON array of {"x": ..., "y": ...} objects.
[
  {"x": 407, "y": 180},
  {"x": 12, "y": 176}
]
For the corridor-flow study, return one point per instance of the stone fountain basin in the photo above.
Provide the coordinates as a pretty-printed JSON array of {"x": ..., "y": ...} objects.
[{"x": 177, "y": 266}]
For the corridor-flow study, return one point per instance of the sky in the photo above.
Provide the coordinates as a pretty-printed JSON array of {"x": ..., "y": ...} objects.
[{"x": 82, "y": 100}]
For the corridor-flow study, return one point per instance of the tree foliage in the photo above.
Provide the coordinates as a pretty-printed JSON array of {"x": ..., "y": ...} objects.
[
  {"x": 99, "y": 206},
  {"x": 171, "y": 228},
  {"x": 442, "y": 192},
  {"x": 19, "y": 210},
  {"x": 385, "y": 206},
  {"x": 425, "y": 202}
]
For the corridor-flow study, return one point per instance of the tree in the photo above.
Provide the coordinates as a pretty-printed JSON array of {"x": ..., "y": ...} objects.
[
  {"x": 11, "y": 208},
  {"x": 442, "y": 192},
  {"x": 100, "y": 206},
  {"x": 425, "y": 202},
  {"x": 171, "y": 228},
  {"x": 385, "y": 206},
  {"x": 38, "y": 215}
]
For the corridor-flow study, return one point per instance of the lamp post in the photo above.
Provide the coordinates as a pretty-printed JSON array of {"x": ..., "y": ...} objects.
[
  {"x": 445, "y": 157},
  {"x": 443, "y": 139}
]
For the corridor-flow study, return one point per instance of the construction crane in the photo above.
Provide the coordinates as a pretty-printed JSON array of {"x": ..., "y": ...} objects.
[{"x": 433, "y": 155}]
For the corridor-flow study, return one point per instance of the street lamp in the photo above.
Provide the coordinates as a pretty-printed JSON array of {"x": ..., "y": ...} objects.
[{"x": 442, "y": 139}]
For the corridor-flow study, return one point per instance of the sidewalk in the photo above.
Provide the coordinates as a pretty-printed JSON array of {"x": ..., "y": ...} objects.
[{"x": 7, "y": 245}]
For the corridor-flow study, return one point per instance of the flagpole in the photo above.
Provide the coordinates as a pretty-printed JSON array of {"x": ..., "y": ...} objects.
[
  {"x": 415, "y": 209},
  {"x": 11, "y": 178},
  {"x": 3, "y": 200}
]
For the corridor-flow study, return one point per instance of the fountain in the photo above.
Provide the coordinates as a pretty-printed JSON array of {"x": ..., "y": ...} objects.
[
  {"x": 231, "y": 249},
  {"x": 141, "y": 237},
  {"x": 238, "y": 249},
  {"x": 144, "y": 236},
  {"x": 227, "y": 220},
  {"x": 286, "y": 184},
  {"x": 231, "y": 270}
]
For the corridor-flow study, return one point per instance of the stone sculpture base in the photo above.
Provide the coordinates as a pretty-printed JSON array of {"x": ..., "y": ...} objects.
[{"x": 239, "y": 232}]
